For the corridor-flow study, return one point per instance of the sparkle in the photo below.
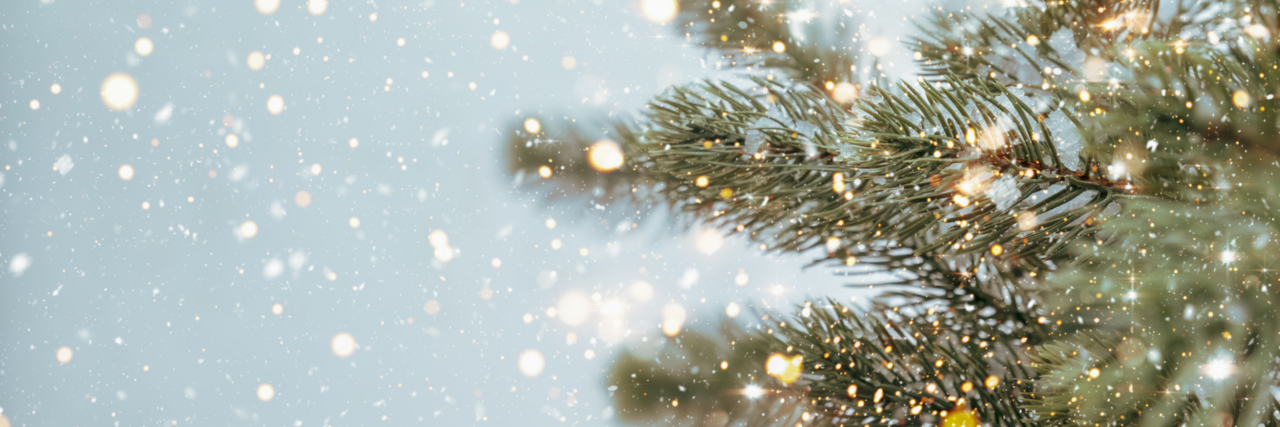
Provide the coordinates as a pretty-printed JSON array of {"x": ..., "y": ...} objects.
[
  {"x": 144, "y": 46},
  {"x": 752, "y": 391},
  {"x": 317, "y": 7},
  {"x": 605, "y": 156},
  {"x": 1219, "y": 368}
]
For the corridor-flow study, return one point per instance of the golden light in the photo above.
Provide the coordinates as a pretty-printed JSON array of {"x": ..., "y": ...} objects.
[
  {"x": 343, "y": 345},
  {"x": 316, "y": 169},
  {"x": 726, "y": 192},
  {"x": 144, "y": 46},
  {"x": 605, "y": 156},
  {"x": 1111, "y": 25},
  {"x": 277, "y": 309},
  {"x": 275, "y": 105},
  {"x": 852, "y": 391},
  {"x": 232, "y": 140},
  {"x": 302, "y": 198},
  {"x": 970, "y": 136},
  {"x": 992, "y": 381},
  {"x": 354, "y": 222},
  {"x": 63, "y": 354},
  {"x": 837, "y": 182},
  {"x": 317, "y": 7},
  {"x": 353, "y": 143},
  {"x": 125, "y": 172},
  {"x": 544, "y": 171},
  {"x": 400, "y": 42},
  {"x": 589, "y": 354},
  {"x": 531, "y": 363},
  {"x": 833, "y": 243},
  {"x": 266, "y": 392},
  {"x": 438, "y": 239},
  {"x": 961, "y": 200},
  {"x": 1094, "y": 372},
  {"x": 532, "y": 125},
  {"x": 732, "y": 310},
  {"x": 959, "y": 417},
  {"x": 850, "y": 261},
  {"x": 779, "y": 47},
  {"x": 119, "y": 91},
  {"x": 785, "y": 369},
  {"x": 568, "y": 62},
  {"x": 742, "y": 278},
  {"x": 659, "y": 11},
  {"x": 267, "y": 7},
  {"x": 844, "y": 92},
  {"x": 55, "y": 88},
  {"x": 701, "y": 181},
  {"x": 500, "y": 40},
  {"x": 34, "y": 104},
  {"x": 1033, "y": 41},
  {"x": 1240, "y": 98},
  {"x": 997, "y": 249},
  {"x": 146, "y": 205},
  {"x": 673, "y": 317},
  {"x": 248, "y": 229},
  {"x": 256, "y": 60},
  {"x": 1084, "y": 96}
]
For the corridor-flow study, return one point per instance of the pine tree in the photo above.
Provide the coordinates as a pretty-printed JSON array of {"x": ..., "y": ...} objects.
[{"x": 1071, "y": 205}]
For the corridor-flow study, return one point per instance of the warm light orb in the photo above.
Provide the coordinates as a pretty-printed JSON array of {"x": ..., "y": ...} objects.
[
  {"x": 317, "y": 7},
  {"x": 673, "y": 317},
  {"x": 267, "y": 7},
  {"x": 232, "y": 140},
  {"x": 879, "y": 46},
  {"x": 125, "y": 172},
  {"x": 732, "y": 310},
  {"x": 785, "y": 369},
  {"x": 532, "y": 125},
  {"x": 277, "y": 309},
  {"x": 544, "y": 171},
  {"x": 256, "y": 60},
  {"x": 119, "y": 91},
  {"x": 1240, "y": 98},
  {"x": 531, "y": 363},
  {"x": 605, "y": 156},
  {"x": 500, "y": 40},
  {"x": 34, "y": 104},
  {"x": 63, "y": 354},
  {"x": 779, "y": 47},
  {"x": 709, "y": 241},
  {"x": 353, "y": 142},
  {"x": 302, "y": 199},
  {"x": 844, "y": 92},
  {"x": 275, "y": 105},
  {"x": 144, "y": 46},
  {"x": 55, "y": 88},
  {"x": 1218, "y": 369},
  {"x": 343, "y": 345},
  {"x": 573, "y": 308},
  {"x": 265, "y": 393},
  {"x": 354, "y": 222},
  {"x": 248, "y": 229},
  {"x": 659, "y": 11}
]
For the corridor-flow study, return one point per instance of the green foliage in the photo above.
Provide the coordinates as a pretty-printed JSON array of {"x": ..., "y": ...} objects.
[{"x": 1077, "y": 200}]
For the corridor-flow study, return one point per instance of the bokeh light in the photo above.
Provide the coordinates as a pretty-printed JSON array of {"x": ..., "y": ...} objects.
[
  {"x": 531, "y": 363},
  {"x": 119, "y": 91},
  {"x": 343, "y": 345}
]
